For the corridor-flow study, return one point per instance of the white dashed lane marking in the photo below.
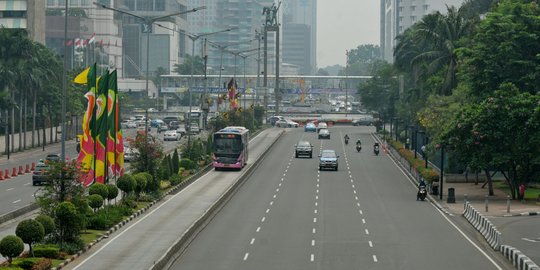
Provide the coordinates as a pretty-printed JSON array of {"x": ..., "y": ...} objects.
[{"x": 16, "y": 201}]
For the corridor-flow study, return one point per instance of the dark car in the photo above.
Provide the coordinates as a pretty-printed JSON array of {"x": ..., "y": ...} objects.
[
  {"x": 303, "y": 148},
  {"x": 40, "y": 174},
  {"x": 52, "y": 157},
  {"x": 363, "y": 122},
  {"x": 328, "y": 159},
  {"x": 324, "y": 134},
  {"x": 169, "y": 119},
  {"x": 173, "y": 125}
]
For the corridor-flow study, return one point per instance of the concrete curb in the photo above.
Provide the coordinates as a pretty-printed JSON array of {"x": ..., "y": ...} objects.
[
  {"x": 19, "y": 212},
  {"x": 181, "y": 243},
  {"x": 518, "y": 259},
  {"x": 483, "y": 225},
  {"x": 522, "y": 214}
]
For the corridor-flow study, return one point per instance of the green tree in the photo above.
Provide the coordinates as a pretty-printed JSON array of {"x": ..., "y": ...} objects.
[
  {"x": 11, "y": 246},
  {"x": 100, "y": 189},
  {"x": 175, "y": 162},
  {"x": 68, "y": 222},
  {"x": 150, "y": 154},
  {"x": 112, "y": 192},
  {"x": 185, "y": 68},
  {"x": 30, "y": 231},
  {"x": 47, "y": 222},
  {"x": 95, "y": 201},
  {"x": 126, "y": 184},
  {"x": 164, "y": 168},
  {"x": 141, "y": 183},
  {"x": 504, "y": 50},
  {"x": 380, "y": 92},
  {"x": 60, "y": 189},
  {"x": 501, "y": 133}
]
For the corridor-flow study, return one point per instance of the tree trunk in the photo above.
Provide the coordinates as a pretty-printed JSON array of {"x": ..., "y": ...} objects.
[
  {"x": 490, "y": 183},
  {"x": 21, "y": 121},
  {"x": 25, "y": 125},
  {"x": 34, "y": 115}
]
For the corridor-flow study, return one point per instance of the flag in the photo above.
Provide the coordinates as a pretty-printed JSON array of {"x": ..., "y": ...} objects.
[
  {"x": 69, "y": 42},
  {"x": 115, "y": 146},
  {"x": 92, "y": 39},
  {"x": 82, "y": 78},
  {"x": 101, "y": 129},
  {"x": 78, "y": 43},
  {"x": 85, "y": 159}
]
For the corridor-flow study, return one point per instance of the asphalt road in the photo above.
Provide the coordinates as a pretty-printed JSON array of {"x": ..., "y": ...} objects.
[
  {"x": 18, "y": 191},
  {"x": 288, "y": 215},
  {"x": 143, "y": 241},
  {"x": 521, "y": 232}
]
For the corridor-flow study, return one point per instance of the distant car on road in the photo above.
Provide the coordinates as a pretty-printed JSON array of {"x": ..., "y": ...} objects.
[
  {"x": 173, "y": 125},
  {"x": 310, "y": 127},
  {"x": 274, "y": 119},
  {"x": 328, "y": 159},
  {"x": 40, "y": 174},
  {"x": 303, "y": 148},
  {"x": 324, "y": 134},
  {"x": 171, "y": 135},
  {"x": 52, "y": 157},
  {"x": 321, "y": 125},
  {"x": 363, "y": 122},
  {"x": 286, "y": 123},
  {"x": 169, "y": 119},
  {"x": 194, "y": 128}
]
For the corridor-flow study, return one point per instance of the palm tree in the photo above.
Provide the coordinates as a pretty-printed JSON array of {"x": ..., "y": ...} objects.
[
  {"x": 430, "y": 45},
  {"x": 185, "y": 68}
]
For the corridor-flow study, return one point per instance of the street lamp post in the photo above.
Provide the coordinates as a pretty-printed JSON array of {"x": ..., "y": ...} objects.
[
  {"x": 147, "y": 28},
  {"x": 415, "y": 140}
]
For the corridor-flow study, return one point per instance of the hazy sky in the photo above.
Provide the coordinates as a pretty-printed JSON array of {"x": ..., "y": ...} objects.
[{"x": 343, "y": 25}]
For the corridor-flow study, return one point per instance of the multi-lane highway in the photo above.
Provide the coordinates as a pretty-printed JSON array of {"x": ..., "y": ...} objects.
[{"x": 289, "y": 215}]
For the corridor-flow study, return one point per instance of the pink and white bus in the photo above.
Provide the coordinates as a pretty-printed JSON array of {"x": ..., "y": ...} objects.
[{"x": 230, "y": 148}]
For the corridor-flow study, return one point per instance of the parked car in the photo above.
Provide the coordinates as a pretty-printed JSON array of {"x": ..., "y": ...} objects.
[
  {"x": 310, "y": 127},
  {"x": 130, "y": 154},
  {"x": 303, "y": 148},
  {"x": 324, "y": 134},
  {"x": 181, "y": 130},
  {"x": 40, "y": 174},
  {"x": 321, "y": 125},
  {"x": 163, "y": 127},
  {"x": 171, "y": 135},
  {"x": 328, "y": 159}
]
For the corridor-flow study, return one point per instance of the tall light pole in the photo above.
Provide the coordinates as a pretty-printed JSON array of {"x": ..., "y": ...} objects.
[{"x": 147, "y": 28}]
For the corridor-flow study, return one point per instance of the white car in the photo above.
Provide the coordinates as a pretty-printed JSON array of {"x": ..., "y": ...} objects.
[
  {"x": 171, "y": 135},
  {"x": 128, "y": 124},
  {"x": 321, "y": 125},
  {"x": 286, "y": 123},
  {"x": 130, "y": 154},
  {"x": 194, "y": 128}
]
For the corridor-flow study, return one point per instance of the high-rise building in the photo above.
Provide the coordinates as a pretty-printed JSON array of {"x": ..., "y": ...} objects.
[
  {"x": 295, "y": 14},
  {"x": 247, "y": 19},
  {"x": 398, "y": 15},
  {"x": 24, "y": 14}
]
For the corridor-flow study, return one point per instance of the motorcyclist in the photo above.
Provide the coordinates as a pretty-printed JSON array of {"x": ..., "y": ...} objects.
[
  {"x": 421, "y": 185},
  {"x": 346, "y": 139},
  {"x": 376, "y": 147},
  {"x": 358, "y": 142}
]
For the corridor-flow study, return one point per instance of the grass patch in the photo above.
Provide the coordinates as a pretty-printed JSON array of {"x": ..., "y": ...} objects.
[
  {"x": 141, "y": 205},
  {"x": 4, "y": 266},
  {"x": 90, "y": 235},
  {"x": 531, "y": 193}
]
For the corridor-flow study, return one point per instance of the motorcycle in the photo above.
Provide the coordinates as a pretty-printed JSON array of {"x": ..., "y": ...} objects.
[
  {"x": 346, "y": 141},
  {"x": 358, "y": 148},
  {"x": 376, "y": 149},
  {"x": 421, "y": 193}
]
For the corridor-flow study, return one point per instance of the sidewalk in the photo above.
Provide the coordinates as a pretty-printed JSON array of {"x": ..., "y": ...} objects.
[{"x": 476, "y": 195}]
